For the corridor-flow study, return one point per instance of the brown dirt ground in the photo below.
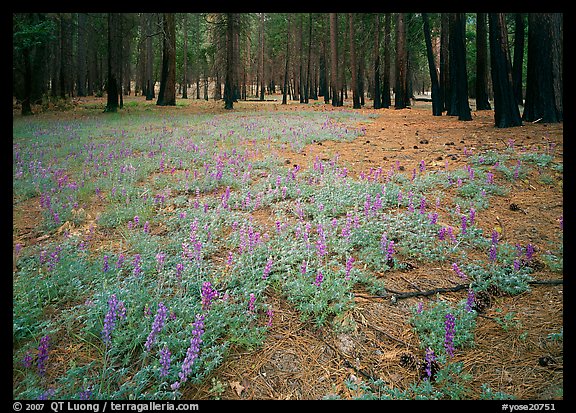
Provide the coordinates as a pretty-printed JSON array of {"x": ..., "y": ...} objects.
[{"x": 299, "y": 361}]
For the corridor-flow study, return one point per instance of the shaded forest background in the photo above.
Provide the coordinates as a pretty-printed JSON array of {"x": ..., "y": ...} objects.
[{"x": 513, "y": 60}]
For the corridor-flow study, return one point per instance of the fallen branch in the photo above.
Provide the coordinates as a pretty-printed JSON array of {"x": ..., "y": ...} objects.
[{"x": 407, "y": 294}]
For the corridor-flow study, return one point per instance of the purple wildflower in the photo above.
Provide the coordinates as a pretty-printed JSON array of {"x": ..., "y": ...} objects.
[
  {"x": 208, "y": 294},
  {"x": 492, "y": 254},
  {"x": 157, "y": 326},
  {"x": 120, "y": 261},
  {"x": 420, "y": 307},
  {"x": 319, "y": 279},
  {"x": 27, "y": 360},
  {"x": 192, "y": 352},
  {"x": 464, "y": 224},
  {"x": 349, "y": 263},
  {"x": 472, "y": 216},
  {"x": 494, "y": 237},
  {"x": 270, "y": 315},
  {"x": 105, "y": 267},
  {"x": 449, "y": 336},
  {"x": 458, "y": 271},
  {"x": 489, "y": 178},
  {"x": 303, "y": 267},
  {"x": 470, "y": 300},
  {"x": 529, "y": 251},
  {"x": 422, "y": 205},
  {"x": 179, "y": 269},
  {"x": 390, "y": 250},
  {"x": 43, "y": 354},
  {"x": 115, "y": 309},
  {"x": 136, "y": 263},
  {"x": 429, "y": 359},
  {"x": 85, "y": 394},
  {"x": 164, "y": 361},
  {"x": 442, "y": 233},
  {"x": 267, "y": 268},
  {"x": 251, "y": 307},
  {"x": 147, "y": 227}
]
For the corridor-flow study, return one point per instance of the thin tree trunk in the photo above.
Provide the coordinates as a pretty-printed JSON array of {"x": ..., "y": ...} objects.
[
  {"x": 185, "y": 58},
  {"x": 334, "y": 75},
  {"x": 436, "y": 104},
  {"x": 230, "y": 72},
  {"x": 285, "y": 88},
  {"x": 354, "y": 80},
  {"x": 386, "y": 100}
]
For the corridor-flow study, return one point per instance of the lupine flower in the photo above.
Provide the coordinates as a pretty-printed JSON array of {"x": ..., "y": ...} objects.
[
  {"x": 192, "y": 352},
  {"x": 179, "y": 269},
  {"x": 529, "y": 251},
  {"x": 146, "y": 227},
  {"x": 303, "y": 267},
  {"x": 27, "y": 360},
  {"x": 422, "y": 166},
  {"x": 458, "y": 271},
  {"x": 349, "y": 263},
  {"x": 319, "y": 279},
  {"x": 494, "y": 237},
  {"x": 420, "y": 307},
  {"x": 489, "y": 178},
  {"x": 442, "y": 233},
  {"x": 136, "y": 263},
  {"x": 449, "y": 335},
  {"x": 115, "y": 309},
  {"x": 492, "y": 254},
  {"x": 85, "y": 394},
  {"x": 160, "y": 257},
  {"x": 390, "y": 250},
  {"x": 422, "y": 205},
  {"x": 429, "y": 359},
  {"x": 470, "y": 300},
  {"x": 267, "y": 268},
  {"x": 164, "y": 361},
  {"x": 208, "y": 293},
  {"x": 464, "y": 224},
  {"x": 43, "y": 354},
  {"x": 270, "y": 314},
  {"x": 472, "y": 216},
  {"x": 120, "y": 261},
  {"x": 157, "y": 326},
  {"x": 105, "y": 267},
  {"x": 251, "y": 307}
]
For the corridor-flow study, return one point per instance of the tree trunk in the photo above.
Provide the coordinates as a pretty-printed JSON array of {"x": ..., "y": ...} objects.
[
  {"x": 230, "y": 70},
  {"x": 401, "y": 63},
  {"x": 285, "y": 88},
  {"x": 544, "y": 76},
  {"x": 506, "y": 113},
  {"x": 353, "y": 64},
  {"x": 334, "y": 76},
  {"x": 518, "y": 57},
  {"x": 167, "y": 92},
  {"x": 112, "y": 85},
  {"x": 458, "y": 75},
  {"x": 185, "y": 58},
  {"x": 261, "y": 68},
  {"x": 436, "y": 104},
  {"x": 482, "y": 102},
  {"x": 149, "y": 72},
  {"x": 386, "y": 100},
  {"x": 444, "y": 61},
  {"x": 376, "y": 97}
]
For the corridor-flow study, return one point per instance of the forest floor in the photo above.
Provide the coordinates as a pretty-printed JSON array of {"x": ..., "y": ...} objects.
[{"x": 301, "y": 361}]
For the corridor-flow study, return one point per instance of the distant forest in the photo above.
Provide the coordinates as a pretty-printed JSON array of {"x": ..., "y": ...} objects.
[{"x": 509, "y": 62}]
